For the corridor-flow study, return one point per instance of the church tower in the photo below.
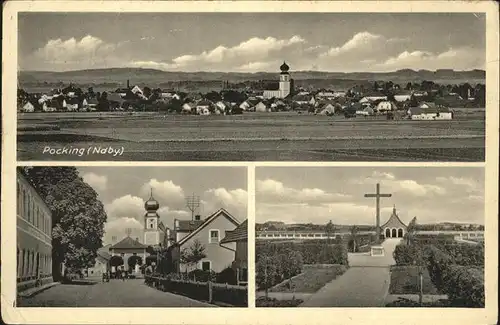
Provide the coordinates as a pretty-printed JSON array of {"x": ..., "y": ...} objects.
[
  {"x": 151, "y": 231},
  {"x": 285, "y": 81}
]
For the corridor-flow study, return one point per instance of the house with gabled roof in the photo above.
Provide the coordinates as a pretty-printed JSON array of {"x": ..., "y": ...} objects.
[
  {"x": 394, "y": 227},
  {"x": 101, "y": 262},
  {"x": 209, "y": 233},
  {"x": 127, "y": 248},
  {"x": 240, "y": 263}
]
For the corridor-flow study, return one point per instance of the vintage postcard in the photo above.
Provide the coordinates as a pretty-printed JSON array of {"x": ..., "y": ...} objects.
[{"x": 250, "y": 162}]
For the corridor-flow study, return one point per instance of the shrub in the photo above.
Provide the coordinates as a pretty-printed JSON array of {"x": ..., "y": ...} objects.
[
  {"x": 312, "y": 253},
  {"x": 406, "y": 254},
  {"x": 228, "y": 275},
  {"x": 236, "y": 296},
  {"x": 273, "y": 302},
  {"x": 201, "y": 276},
  {"x": 151, "y": 259},
  {"x": 464, "y": 284}
]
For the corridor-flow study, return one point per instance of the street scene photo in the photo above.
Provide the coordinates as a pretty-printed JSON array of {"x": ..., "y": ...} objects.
[
  {"x": 132, "y": 237},
  {"x": 251, "y": 86},
  {"x": 370, "y": 237}
]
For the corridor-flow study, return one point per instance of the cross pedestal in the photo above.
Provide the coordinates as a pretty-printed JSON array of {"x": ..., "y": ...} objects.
[
  {"x": 377, "y": 195},
  {"x": 377, "y": 250}
]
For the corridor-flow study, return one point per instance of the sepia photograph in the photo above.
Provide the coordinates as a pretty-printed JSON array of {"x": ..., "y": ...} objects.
[
  {"x": 132, "y": 237},
  {"x": 370, "y": 237},
  {"x": 242, "y": 86}
]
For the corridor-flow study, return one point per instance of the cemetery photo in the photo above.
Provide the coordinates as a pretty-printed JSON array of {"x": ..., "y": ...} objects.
[
  {"x": 370, "y": 237},
  {"x": 132, "y": 236}
]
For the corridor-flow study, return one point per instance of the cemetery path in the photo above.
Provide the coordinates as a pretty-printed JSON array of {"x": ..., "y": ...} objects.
[
  {"x": 116, "y": 293},
  {"x": 364, "y": 284}
]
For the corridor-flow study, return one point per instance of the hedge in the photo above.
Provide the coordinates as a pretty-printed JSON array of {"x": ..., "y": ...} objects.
[
  {"x": 464, "y": 284},
  {"x": 312, "y": 253},
  {"x": 406, "y": 254},
  {"x": 230, "y": 294},
  {"x": 204, "y": 291}
]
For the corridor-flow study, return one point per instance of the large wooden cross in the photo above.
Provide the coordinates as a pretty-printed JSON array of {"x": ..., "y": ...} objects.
[{"x": 377, "y": 195}]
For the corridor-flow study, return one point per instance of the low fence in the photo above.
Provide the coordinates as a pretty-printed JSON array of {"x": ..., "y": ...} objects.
[{"x": 206, "y": 291}]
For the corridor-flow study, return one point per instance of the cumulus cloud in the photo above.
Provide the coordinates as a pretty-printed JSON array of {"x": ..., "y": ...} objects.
[
  {"x": 89, "y": 49},
  {"x": 362, "y": 51},
  {"x": 404, "y": 186},
  {"x": 458, "y": 59},
  {"x": 98, "y": 182},
  {"x": 254, "y": 52},
  {"x": 468, "y": 184},
  {"x": 235, "y": 201},
  {"x": 118, "y": 228},
  {"x": 270, "y": 190},
  {"x": 126, "y": 206},
  {"x": 166, "y": 192}
]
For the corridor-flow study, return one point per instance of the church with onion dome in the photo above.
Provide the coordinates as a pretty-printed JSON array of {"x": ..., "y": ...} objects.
[
  {"x": 156, "y": 234},
  {"x": 285, "y": 87}
]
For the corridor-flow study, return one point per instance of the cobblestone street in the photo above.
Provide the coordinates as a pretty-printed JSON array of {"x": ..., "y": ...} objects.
[{"x": 116, "y": 293}]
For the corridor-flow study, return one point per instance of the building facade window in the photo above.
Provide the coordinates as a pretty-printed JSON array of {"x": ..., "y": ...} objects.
[
  {"x": 206, "y": 265},
  {"x": 214, "y": 236}
]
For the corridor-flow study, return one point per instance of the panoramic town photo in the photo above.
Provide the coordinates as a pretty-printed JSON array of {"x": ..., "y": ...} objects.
[
  {"x": 132, "y": 237},
  {"x": 251, "y": 86},
  {"x": 370, "y": 237}
]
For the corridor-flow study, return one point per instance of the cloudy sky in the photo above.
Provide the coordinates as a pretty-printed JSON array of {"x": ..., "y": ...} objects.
[
  {"x": 252, "y": 42},
  {"x": 123, "y": 191},
  {"x": 317, "y": 195}
]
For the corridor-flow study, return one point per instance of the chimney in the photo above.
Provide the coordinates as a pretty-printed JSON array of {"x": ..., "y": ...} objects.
[
  {"x": 137, "y": 239},
  {"x": 197, "y": 217}
]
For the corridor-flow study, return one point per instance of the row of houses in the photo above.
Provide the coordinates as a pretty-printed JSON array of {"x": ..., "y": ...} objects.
[{"x": 324, "y": 102}]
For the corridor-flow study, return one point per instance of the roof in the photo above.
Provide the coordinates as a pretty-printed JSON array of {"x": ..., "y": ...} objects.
[
  {"x": 204, "y": 102},
  {"x": 128, "y": 243},
  {"x": 188, "y": 225},
  {"x": 103, "y": 252},
  {"x": 430, "y": 104},
  {"x": 302, "y": 98},
  {"x": 113, "y": 97},
  {"x": 93, "y": 101},
  {"x": 394, "y": 221},
  {"x": 238, "y": 234},
  {"x": 208, "y": 220}
]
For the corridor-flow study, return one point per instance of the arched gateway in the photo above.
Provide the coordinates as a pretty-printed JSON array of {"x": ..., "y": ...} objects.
[{"x": 394, "y": 227}]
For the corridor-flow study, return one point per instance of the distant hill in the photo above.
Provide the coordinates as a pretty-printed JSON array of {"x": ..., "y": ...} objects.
[{"x": 154, "y": 77}]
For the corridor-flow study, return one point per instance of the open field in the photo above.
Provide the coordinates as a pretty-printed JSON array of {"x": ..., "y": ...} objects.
[{"x": 250, "y": 137}]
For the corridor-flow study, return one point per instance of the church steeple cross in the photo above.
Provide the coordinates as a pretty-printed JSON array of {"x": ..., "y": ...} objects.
[{"x": 377, "y": 195}]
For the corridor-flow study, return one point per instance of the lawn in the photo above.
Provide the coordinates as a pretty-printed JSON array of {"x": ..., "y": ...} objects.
[
  {"x": 310, "y": 280},
  {"x": 405, "y": 280},
  {"x": 273, "y": 302}
]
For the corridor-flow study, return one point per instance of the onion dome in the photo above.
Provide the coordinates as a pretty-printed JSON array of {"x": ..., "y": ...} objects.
[
  {"x": 284, "y": 67},
  {"x": 151, "y": 204}
]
